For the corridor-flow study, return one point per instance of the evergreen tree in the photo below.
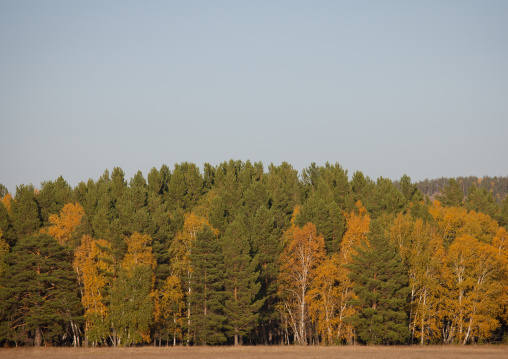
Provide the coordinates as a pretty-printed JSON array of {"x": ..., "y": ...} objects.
[
  {"x": 3, "y": 190},
  {"x": 381, "y": 285},
  {"x": 240, "y": 281},
  {"x": 52, "y": 197},
  {"x": 207, "y": 295},
  {"x": 283, "y": 193},
  {"x": 267, "y": 248},
  {"x": 452, "y": 194},
  {"x": 503, "y": 215},
  {"x": 38, "y": 295},
  {"x": 481, "y": 200},
  {"x": 26, "y": 219},
  {"x": 321, "y": 209},
  {"x": 5, "y": 224}
]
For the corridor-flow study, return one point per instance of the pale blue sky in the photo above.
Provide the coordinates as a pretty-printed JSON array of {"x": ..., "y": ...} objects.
[{"x": 385, "y": 87}]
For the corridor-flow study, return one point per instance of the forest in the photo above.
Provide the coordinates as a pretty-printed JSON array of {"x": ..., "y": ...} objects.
[{"x": 238, "y": 254}]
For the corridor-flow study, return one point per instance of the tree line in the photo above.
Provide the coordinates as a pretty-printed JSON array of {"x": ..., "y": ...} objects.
[{"x": 236, "y": 254}]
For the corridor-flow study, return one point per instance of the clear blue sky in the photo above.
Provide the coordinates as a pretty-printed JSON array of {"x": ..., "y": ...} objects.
[{"x": 384, "y": 87}]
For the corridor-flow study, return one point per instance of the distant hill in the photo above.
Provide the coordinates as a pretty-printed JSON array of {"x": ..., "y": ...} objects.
[{"x": 497, "y": 185}]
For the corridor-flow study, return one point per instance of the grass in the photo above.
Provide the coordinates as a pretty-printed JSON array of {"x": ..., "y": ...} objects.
[{"x": 278, "y": 352}]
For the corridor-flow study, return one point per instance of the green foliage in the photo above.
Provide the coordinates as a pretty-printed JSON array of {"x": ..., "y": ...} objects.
[
  {"x": 3, "y": 190},
  {"x": 38, "y": 292},
  {"x": 131, "y": 306},
  {"x": 382, "y": 286},
  {"x": 240, "y": 281},
  {"x": 322, "y": 210},
  {"x": 26, "y": 219},
  {"x": 207, "y": 288},
  {"x": 452, "y": 194},
  {"x": 52, "y": 197},
  {"x": 5, "y": 225},
  {"x": 480, "y": 200}
]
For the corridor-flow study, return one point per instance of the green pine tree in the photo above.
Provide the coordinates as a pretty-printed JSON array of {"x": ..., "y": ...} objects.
[
  {"x": 207, "y": 322},
  {"x": 26, "y": 219},
  {"x": 381, "y": 285},
  {"x": 481, "y": 200},
  {"x": 240, "y": 282},
  {"x": 322, "y": 210},
  {"x": 267, "y": 247},
  {"x": 39, "y": 293},
  {"x": 452, "y": 194},
  {"x": 52, "y": 197}
]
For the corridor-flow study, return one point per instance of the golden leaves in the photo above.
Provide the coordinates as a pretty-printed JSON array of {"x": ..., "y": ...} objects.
[{"x": 64, "y": 224}]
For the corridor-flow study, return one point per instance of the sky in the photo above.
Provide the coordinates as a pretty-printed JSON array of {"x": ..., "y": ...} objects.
[{"x": 383, "y": 87}]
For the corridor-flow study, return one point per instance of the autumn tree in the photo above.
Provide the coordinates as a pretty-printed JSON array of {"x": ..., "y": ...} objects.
[
  {"x": 52, "y": 197},
  {"x": 303, "y": 253},
  {"x": 131, "y": 301},
  {"x": 357, "y": 224},
  {"x": 473, "y": 289},
  {"x": 65, "y": 223},
  {"x": 93, "y": 262},
  {"x": 324, "y": 298},
  {"x": 423, "y": 253},
  {"x": 181, "y": 251}
]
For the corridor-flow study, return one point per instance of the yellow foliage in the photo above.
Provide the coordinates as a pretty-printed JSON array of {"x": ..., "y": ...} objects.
[
  {"x": 6, "y": 200},
  {"x": 92, "y": 260},
  {"x": 473, "y": 289},
  {"x": 64, "y": 224},
  {"x": 356, "y": 233},
  {"x": 304, "y": 252},
  {"x": 139, "y": 252},
  {"x": 324, "y": 298}
]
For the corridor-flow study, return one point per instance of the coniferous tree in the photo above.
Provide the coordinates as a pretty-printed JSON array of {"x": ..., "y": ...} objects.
[
  {"x": 267, "y": 247},
  {"x": 26, "y": 219},
  {"x": 52, "y": 197},
  {"x": 322, "y": 210},
  {"x": 381, "y": 285},
  {"x": 207, "y": 295},
  {"x": 452, "y": 194},
  {"x": 480, "y": 200},
  {"x": 5, "y": 224},
  {"x": 240, "y": 282},
  {"x": 39, "y": 293}
]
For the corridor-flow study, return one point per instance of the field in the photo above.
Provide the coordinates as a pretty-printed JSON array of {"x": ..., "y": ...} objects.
[{"x": 279, "y": 352}]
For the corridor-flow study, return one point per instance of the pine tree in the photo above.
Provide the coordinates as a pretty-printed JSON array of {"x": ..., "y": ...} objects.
[
  {"x": 26, "y": 219},
  {"x": 381, "y": 285},
  {"x": 480, "y": 200},
  {"x": 452, "y": 194},
  {"x": 207, "y": 295},
  {"x": 267, "y": 247},
  {"x": 240, "y": 281},
  {"x": 321, "y": 209},
  {"x": 52, "y": 197},
  {"x": 39, "y": 293}
]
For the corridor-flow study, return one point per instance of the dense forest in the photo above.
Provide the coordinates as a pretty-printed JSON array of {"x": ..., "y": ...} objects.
[{"x": 236, "y": 254}]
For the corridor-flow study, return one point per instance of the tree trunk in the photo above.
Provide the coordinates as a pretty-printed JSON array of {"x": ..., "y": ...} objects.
[
  {"x": 236, "y": 339},
  {"x": 38, "y": 337}
]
